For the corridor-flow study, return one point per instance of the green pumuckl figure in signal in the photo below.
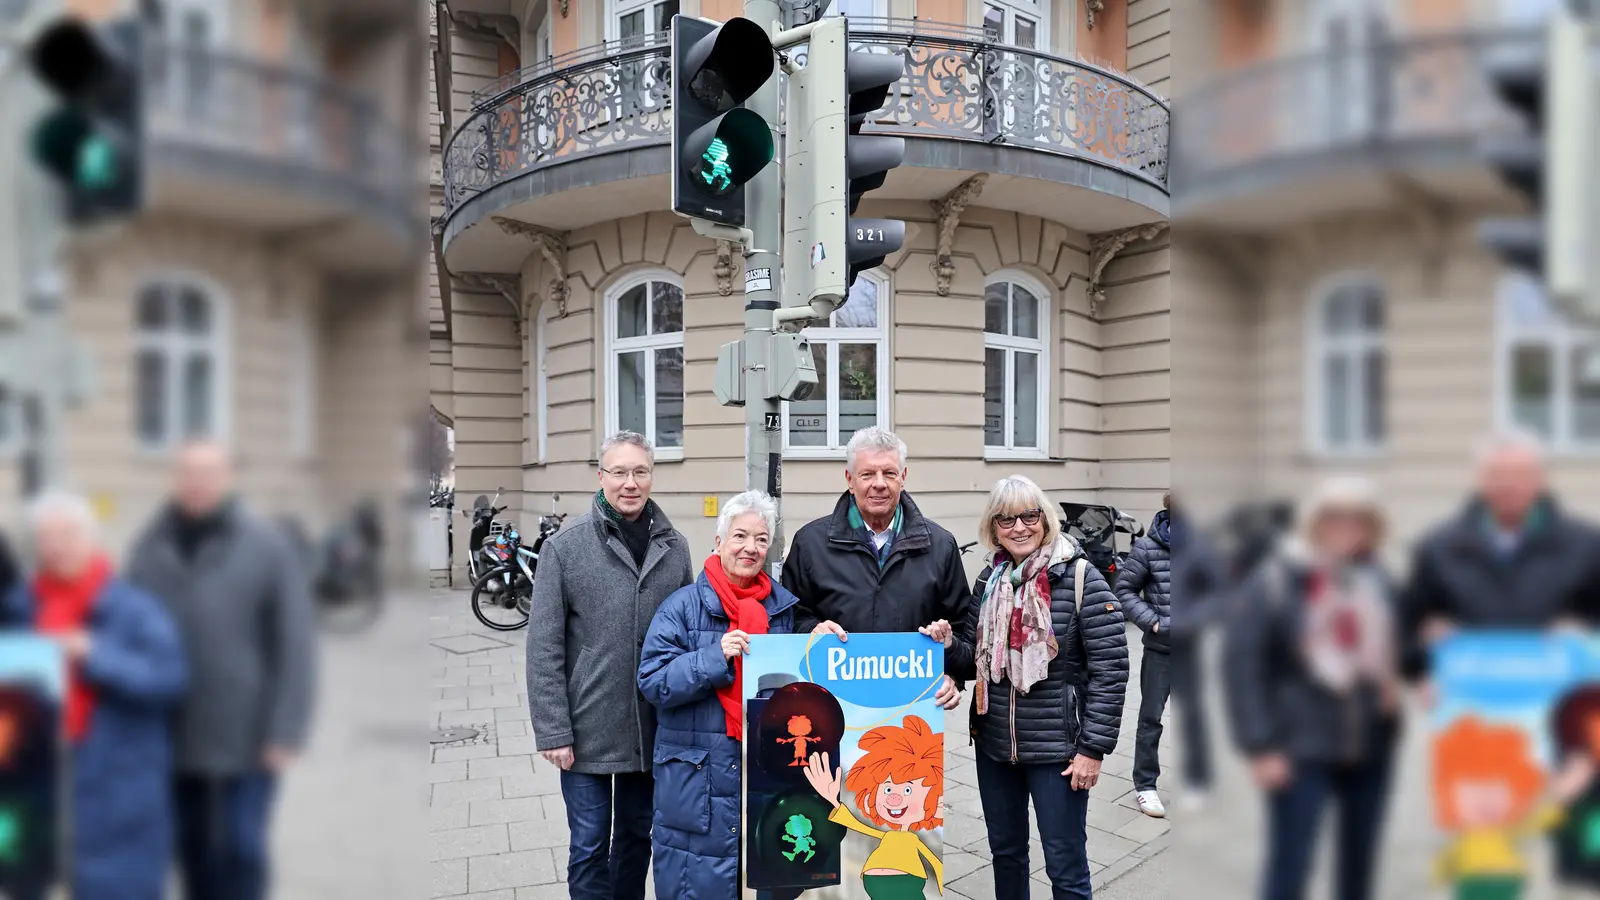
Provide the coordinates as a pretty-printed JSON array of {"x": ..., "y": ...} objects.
[{"x": 798, "y": 833}]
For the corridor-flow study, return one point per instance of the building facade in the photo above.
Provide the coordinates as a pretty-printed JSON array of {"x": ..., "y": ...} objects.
[
  {"x": 270, "y": 295},
  {"x": 1022, "y": 328},
  {"x": 1338, "y": 312}
]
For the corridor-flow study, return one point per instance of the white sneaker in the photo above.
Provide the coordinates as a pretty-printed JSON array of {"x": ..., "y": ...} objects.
[{"x": 1150, "y": 805}]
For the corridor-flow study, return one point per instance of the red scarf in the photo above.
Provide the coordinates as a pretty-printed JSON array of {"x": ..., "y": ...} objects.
[
  {"x": 746, "y": 614},
  {"x": 64, "y": 607}
]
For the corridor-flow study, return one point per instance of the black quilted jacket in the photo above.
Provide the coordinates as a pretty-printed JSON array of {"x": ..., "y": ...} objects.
[
  {"x": 1078, "y": 707},
  {"x": 1148, "y": 572}
]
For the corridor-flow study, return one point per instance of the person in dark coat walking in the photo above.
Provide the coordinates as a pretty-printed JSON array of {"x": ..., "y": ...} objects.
[
  {"x": 125, "y": 674},
  {"x": 692, "y": 671},
  {"x": 600, "y": 582},
  {"x": 1312, "y": 676},
  {"x": 1199, "y": 577},
  {"x": 241, "y": 599},
  {"x": 1048, "y": 703},
  {"x": 877, "y": 564},
  {"x": 1144, "y": 586}
]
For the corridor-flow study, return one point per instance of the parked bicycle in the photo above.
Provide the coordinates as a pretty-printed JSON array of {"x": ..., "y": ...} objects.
[{"x": 502, "y": 597}]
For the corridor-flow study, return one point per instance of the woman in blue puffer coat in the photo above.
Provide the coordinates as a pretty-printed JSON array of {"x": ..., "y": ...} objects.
[{"x": 691, "y": 670}]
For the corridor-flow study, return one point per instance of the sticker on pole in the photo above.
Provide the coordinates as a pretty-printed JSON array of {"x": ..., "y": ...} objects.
[
  {"x": 758, "y": 280},
  {"x": 816, "y": 254}
]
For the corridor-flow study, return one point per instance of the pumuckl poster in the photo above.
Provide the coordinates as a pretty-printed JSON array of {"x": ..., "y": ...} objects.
[
  {"x": 1514, "y": 746},
  {"x": 844, "y": 768}
]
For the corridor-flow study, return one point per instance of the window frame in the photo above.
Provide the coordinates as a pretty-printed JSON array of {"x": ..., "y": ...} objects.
[
  {"x": 1319, "y": 347},
  {"x": 616, "y": 9},
  {"x": 173, "y": 346},
  {"x": 831, "y": 337},
  {"x": 616, "y": 346},
  {"x": 1561, "y": 339},
  {"x": 1041, "y": 345}
]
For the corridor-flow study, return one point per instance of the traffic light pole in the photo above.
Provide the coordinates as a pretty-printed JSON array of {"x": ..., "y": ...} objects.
[{"x": 763, "y": 292}]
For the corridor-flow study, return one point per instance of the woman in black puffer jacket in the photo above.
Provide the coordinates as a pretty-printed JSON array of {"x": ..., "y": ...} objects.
[{"x": 1043, "y": 716}]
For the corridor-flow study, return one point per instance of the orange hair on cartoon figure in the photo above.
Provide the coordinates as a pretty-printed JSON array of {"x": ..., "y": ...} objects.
[
  {"x": 902, "y": 754},
  {"x": 1471, "y": 750}
]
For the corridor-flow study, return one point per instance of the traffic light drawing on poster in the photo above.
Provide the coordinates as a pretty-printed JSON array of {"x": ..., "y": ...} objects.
[
  {"x": 844, "y": 755},
  {"x": 31, "y": 765}
]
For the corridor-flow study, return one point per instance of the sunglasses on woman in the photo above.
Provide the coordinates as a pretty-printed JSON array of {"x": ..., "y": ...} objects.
[{"x": 1029, "y": 517}]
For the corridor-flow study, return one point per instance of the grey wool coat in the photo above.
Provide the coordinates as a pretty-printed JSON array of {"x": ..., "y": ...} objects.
[{"x": 591, "y": 609}]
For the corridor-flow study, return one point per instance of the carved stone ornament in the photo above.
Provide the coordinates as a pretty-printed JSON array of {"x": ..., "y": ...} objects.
[
  {"x": 724, "y": 269},
  {"x": 1091, "y": 7},
  {"x": 949, "y": 211},
  {"x": 1105, "y": 248},
  {"x": 553, "y": 247},
  {"x": 564, "y": 8},
  {"x": 507, "y": 286}
]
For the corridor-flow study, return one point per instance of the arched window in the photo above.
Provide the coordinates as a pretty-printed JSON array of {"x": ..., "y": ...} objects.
[
  {"x": 1348, "y": 374},
  {"x": 1016, "y": 365},
  {"x": 646, "y": 359},
  {"x": 852, "y": 362},
  {"x": 1549, "y": 368},
  {"x": 178, "y": 363}
]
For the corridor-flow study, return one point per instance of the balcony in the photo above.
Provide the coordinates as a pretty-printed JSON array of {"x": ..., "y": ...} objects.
[
  {"x": 249, "y": 142},
  {"x": 595, "y": 125},
  {"x": 1327, "y": 133}
]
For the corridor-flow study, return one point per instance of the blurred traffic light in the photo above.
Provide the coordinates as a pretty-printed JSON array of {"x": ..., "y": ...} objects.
[
  {"x": 789, "y": 841},
  {"x": 92, "y": 143},
  {"x": 31, "y": 789}
]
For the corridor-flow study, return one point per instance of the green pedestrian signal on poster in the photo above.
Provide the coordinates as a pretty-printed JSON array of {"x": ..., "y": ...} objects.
[
  {"x": 798, "y": 833},
  {"x": 717, "y": 173},
  {"x": 10, "y": 835}
]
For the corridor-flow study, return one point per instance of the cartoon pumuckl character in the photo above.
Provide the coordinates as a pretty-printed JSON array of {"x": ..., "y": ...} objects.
[
  {"x": 1489, "y": 792},
  {"x": 797, "y": 831},
  {"x": 799, "y": 735},
  {"x": 899, "y": 784}
]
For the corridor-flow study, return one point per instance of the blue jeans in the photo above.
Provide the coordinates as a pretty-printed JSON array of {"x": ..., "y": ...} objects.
[
  {"x": 1295, "y": 817},
  {"x": 223, "y": 827},
  {"x": 609, "y": 817},
  {"x": 1063, "y": 817}
]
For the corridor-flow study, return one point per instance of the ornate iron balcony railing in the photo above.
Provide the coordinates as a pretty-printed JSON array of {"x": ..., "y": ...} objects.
[
  {"x": 1333, "y": 104},
  {"x": 255, "y": 111},
  {"x": 958, "y": 85}
]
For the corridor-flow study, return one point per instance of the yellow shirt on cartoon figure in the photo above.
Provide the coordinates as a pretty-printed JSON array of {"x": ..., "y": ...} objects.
[{"x": 902, "y": 851}]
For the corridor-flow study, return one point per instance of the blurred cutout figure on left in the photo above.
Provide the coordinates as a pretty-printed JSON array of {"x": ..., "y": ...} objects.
[
  {"x": 126, "y": 672},
  {"x": 242, "y": 603},
  {"x": 1312, "y": 675}
]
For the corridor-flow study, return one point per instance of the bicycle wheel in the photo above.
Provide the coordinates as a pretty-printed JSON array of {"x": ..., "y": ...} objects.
[{"x": 489, "y": 605}]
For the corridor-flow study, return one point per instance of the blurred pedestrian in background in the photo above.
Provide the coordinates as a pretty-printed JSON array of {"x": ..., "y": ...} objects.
[
  {"x": 240, "y": 597},
  {"x": 1511, "y": 559},
  {"x": 125, "y": 673},
  {"x": 1312, "y": 672},
  {"x": 1144, "y": 585},
  {"x": 1050, "y": 655},
  {"x": 692, "y": 670},
  {"x": 600, "y": 583},
  {"x": 1199, "y": 576}
]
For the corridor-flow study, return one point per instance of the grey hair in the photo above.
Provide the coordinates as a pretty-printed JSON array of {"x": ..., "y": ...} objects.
[
  {"x": 628, "y": 438},
  {"x": 748, "y": 502},
  {"x": 1510, "y": 439},
  {"x": 62, "y": 503},
  {"x": 873, "y": 438}
]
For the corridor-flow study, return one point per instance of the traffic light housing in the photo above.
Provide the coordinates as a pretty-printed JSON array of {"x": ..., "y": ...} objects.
[
  {"x": 717, "y": 144},
  {"x": 92, "y": 142},
  {"x": 1549, "y": 84},
  {"x": 31, "y": 789},
  {"x": 789, "y": 841},
  {"x": 829, "y": 164}
]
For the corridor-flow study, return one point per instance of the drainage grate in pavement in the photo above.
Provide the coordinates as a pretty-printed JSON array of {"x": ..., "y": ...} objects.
[
  {"x": 457, "y": 735},
  {"x": 468, "y": 643}
]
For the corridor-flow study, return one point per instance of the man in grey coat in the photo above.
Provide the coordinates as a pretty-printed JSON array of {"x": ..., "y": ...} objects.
[
  {"x": 242, "y": 605},
  {"x": 598, "y": 587}
]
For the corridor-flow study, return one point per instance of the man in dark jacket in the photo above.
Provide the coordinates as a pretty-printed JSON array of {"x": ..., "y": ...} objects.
[
  {"x": 600, "y": 582},
  {"x": 242, "y": 604},
  {"x": 876, "y": 564},
  {"x": 1145, "y": 588},
  {"x": 1510, "y": 559}
]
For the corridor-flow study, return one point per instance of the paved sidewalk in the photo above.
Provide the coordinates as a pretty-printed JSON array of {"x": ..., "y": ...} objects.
[{"x": 499, "y": 827}]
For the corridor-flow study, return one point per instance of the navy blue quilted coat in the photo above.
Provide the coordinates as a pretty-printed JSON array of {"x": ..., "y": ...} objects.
[
  {"x": 695, "y": 839},
  {"x": 121, "y": 817}
]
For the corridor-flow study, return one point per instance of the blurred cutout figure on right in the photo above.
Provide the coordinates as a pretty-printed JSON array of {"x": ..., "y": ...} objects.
[
  {"x": 1511, "y": 559},
  {"x": 1312, "y": 677},
  {"x": 242, "y": 603}
]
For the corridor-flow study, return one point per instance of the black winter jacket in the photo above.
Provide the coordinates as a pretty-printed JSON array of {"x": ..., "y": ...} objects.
[
  {"x": 1148, "y": 571},
  {"x": 1457, "y": 574},
  {"x": 1078, "y": 707},
  {"x": 833, "y": 569}
]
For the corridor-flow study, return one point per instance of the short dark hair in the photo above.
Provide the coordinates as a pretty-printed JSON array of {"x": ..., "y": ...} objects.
[{"x": 1568, "y": 722}]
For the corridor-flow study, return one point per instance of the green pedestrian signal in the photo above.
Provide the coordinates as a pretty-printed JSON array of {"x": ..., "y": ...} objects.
[
  {"x": 10, "y": 835},
  {"x": 716, "y": 172}
]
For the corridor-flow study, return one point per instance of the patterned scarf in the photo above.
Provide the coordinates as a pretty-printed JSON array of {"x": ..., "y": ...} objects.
[
  {"x": 1349, "y": 635},
  {"x": 745, "y": 613},
  {"x": 1015, "y": 640},
  {"x": 860, "y": 524},
  {"x": 606, "y": 509},
  {"x": 63, "y": 608}
]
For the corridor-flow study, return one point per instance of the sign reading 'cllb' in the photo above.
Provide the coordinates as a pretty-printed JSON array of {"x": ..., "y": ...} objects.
[{"x": 875, "y": 670}]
